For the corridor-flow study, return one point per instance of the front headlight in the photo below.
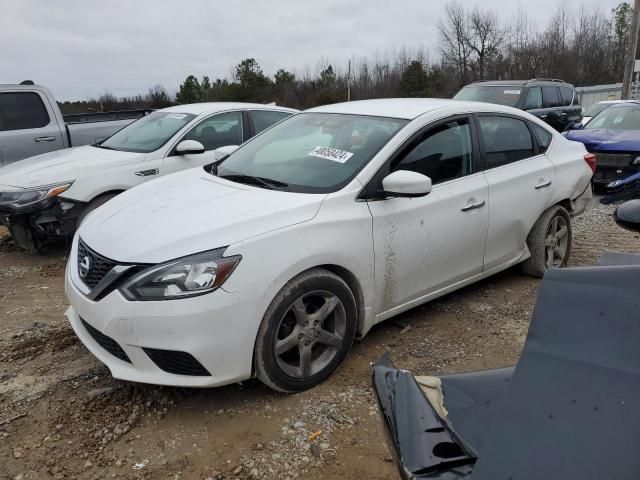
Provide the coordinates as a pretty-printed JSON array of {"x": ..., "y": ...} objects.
[
  {"x": 31, "y": 196},
  {"x": 186, "y": 277}
]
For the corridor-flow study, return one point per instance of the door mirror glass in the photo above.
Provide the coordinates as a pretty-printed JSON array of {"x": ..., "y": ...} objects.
[
  {"x": 189, "y": 147},
  {"x": 224, "y": 152},
  {"x": 404, "y": 183},
  {"x": 627, "y": 215}
]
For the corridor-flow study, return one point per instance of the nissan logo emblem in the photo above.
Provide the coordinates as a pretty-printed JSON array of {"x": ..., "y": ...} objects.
[{"x": 84, "y": 266}]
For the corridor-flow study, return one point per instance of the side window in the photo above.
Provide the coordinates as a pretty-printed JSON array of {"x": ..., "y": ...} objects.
[
  {"x": 534, "y": 98},
  {"x": 263, "y": 119},
  {"x": 543, "y": 137},
  {"x": 506, "y": 140},
  {"x": 218, "y": 131},
  {"x": 566, "y": 94},
  {"x": 550, "y": 97},
  {"x": 22, "y": 110},
  {"x": 441, "y": 153}
]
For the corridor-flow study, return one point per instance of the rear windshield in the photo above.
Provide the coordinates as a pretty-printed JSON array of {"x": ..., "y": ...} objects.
[{"x": 503, "y": 95}]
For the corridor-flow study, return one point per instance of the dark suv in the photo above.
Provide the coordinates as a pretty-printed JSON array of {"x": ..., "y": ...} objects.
[{"x": 554, "y": 101}]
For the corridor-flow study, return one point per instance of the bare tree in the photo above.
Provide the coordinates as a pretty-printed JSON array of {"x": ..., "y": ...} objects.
[
  {"x": 454, "y": 33},
  {"x": 486, "y": 38}
]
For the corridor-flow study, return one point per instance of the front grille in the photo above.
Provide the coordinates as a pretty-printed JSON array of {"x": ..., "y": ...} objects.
[
  {"x": 178, "y": 363},
  {"x": 108, "y": 343},
  {"x": 98, "y": 266}
]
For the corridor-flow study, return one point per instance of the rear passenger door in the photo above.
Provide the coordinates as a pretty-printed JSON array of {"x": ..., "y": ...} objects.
[
  {"x": 520, "y": 179},
  {"x": 28, "y": 127}
]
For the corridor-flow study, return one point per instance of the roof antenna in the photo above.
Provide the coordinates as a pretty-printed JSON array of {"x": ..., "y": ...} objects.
[{"x": 27, "y": 82}]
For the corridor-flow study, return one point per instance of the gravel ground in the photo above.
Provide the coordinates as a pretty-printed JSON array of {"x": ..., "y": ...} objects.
[{"x": 63, "y": 416}]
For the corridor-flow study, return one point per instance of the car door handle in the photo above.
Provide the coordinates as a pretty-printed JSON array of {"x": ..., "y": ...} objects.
[
  {"x": 473, "y": 205},
  {"x": 45, "y": 139},
  {"x": 543, "y": 116},
  {"x": 543, "y": 184}
]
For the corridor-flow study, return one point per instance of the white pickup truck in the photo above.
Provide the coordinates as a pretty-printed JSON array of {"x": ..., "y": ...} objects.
[
  {"x": 47, "y": 196},
  {"x": 31, "y": 123}
]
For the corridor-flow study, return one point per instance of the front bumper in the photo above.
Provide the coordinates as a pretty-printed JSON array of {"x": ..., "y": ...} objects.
[
  {"x": 35, "y": 226},
  {"x": 216, "y": 330}
]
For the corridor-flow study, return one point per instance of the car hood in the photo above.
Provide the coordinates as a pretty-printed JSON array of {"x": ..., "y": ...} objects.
[
  {"x": 607, "y": 140},
  {"x": 189, "y": 212},
  {"x": 61, "y": 166}
]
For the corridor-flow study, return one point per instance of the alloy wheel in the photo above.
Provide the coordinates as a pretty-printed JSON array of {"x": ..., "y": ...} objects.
[
  {"x": 556, "y": 242},
  {"x": 310, "y": 334}
]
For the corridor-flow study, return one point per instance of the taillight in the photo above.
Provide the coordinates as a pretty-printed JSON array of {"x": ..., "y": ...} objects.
[{"x": 590, "y": 158}]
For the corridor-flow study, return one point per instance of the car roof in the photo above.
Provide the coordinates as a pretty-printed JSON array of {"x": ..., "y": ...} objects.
[
  {"x": 213, "y": 107},
  {"x": 618, "y": 101},
  {"x": 625, "y": 103},
  {"x": 407, "y": 108}
]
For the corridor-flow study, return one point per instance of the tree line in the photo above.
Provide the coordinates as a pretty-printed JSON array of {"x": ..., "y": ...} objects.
[{"x": 579, "y": 45}]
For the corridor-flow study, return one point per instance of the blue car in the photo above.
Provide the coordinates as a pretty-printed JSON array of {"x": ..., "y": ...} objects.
[{"x": 614, "y": 137}]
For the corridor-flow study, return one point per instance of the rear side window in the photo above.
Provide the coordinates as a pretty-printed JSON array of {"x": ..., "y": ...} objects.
[
  {"x": 566, "y": 95},
  {"x": 441, "y": 153},
  {"x": 543, "y": 137},
  {"x": 550, "y": 97},
  {"x": 22, "y": 110},
  {"x": 263, "y": 119},
  {"x": 506, "y": 140}
]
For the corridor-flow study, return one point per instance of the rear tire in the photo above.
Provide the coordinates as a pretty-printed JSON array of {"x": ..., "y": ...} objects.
[
  {"x": 306, "y": 332},
  {"x": 549, "y": 242}
]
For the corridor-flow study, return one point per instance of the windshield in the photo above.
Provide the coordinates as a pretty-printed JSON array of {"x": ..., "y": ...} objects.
[
  {"x": 148, "y": 133},
  {"x": 311, "y": 152},
  {"x": 617, "y": 118},
  {"x": 503, "y": 95},
  {"x": 595, "y": 109}
]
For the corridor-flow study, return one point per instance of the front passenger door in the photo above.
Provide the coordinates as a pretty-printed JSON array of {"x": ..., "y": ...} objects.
[
  {"x": 520, "y": 179},
  {"x": 423, "y": 245},
  {"x": 220, "y": 130}
]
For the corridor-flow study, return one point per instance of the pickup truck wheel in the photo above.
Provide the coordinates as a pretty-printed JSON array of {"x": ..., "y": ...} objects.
[
  {"x": 549, "y": 242},
  {"x": 306, "y": 332},
  {"x": 92, "y": 205}
]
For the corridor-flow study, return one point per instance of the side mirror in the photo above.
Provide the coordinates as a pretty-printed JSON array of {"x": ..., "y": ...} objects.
[
  {"x": 189, "y": 147},
  {"x": 224, "y": 152},
  {"x": 404, "y": 183},
  {"x": 627, "y": 215},
  {"x": 576, "y": 126}
]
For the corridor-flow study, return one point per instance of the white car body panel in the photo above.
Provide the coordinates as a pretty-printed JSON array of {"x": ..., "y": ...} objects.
[{"x": 395, "y": 253}]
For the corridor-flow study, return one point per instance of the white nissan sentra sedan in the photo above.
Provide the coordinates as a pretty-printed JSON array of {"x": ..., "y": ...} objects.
[{"x": 271, "y": 261}]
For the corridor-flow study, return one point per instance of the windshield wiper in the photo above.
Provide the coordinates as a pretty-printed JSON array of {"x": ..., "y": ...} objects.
[{"x": 257, "y": 181}]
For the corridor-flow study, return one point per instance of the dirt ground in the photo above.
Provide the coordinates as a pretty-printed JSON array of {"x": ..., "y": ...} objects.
[{"x": 63, "y": 416}]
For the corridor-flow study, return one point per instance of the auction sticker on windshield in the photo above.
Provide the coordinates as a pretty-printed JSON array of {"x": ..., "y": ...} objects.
[
  {"x": 512, "y": 92},
  {"x": 176, "y": 116},
  {"x": 331, "y": 154}
]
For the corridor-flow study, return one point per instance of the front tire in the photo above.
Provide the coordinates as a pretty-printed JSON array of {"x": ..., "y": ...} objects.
[
  {"x": 306, "y": 332},
  {"x": 92, "y": 205},
  {"x": 549, "y": 242}
]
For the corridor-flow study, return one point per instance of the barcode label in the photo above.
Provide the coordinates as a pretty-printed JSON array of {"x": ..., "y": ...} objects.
[{"x": 331, "y": 154}]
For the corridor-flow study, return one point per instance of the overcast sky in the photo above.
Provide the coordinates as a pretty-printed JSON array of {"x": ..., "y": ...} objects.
[{"x": 82, "y": 48}]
